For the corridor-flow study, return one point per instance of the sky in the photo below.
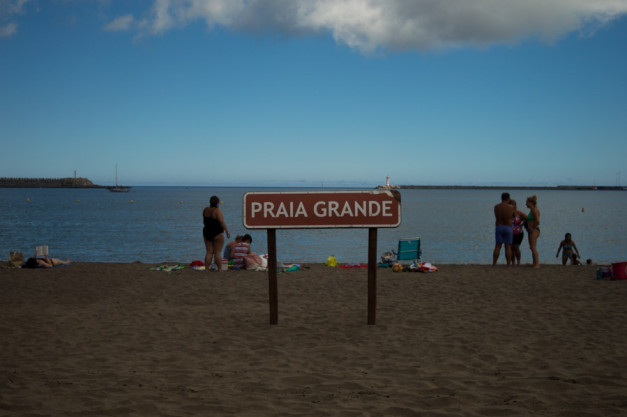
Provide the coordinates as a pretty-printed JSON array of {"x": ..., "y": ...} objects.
[{"x": 309, "y": 93}]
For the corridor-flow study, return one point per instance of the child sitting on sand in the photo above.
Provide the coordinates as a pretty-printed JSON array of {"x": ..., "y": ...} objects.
[
  {"x": 240, "y": 251},
  {"x": 228, "y": 249}
]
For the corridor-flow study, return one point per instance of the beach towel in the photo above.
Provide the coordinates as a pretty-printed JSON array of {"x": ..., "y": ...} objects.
[
  {"x": 168, "y": 268},
  {"x": 348, "y": 266},
  {"x": 423, "y": 267},
  {"x": 290, "y": 267}
]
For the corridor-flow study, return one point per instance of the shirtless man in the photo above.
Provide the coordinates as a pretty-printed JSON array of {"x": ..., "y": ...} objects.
[{"x": 503, "y": 233}]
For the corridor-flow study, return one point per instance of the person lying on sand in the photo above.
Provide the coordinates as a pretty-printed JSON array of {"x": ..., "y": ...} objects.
[{"x": 44, "y": 262}]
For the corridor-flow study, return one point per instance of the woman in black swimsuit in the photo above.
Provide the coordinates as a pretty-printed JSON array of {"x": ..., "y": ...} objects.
[
  {"x": 213, "y": 233},
  {"x": 533, "y": 228}
]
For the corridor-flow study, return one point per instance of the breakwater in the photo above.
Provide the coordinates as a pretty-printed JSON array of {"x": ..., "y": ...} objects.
[
  {"x": 501, "y": 187},
  {"x": 47, "y": 183}
]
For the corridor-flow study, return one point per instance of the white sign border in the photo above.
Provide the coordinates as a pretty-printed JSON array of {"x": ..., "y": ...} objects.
[{"x": 338, "y": 226}]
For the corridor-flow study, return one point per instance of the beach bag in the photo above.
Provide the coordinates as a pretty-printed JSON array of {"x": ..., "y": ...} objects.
[
  {"x": 16, "y": 259},
  {"x": 388, "y": 258},
  {"x": 252, "y": 261}
]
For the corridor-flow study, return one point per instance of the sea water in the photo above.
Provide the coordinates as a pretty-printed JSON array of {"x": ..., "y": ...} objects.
[{"x": 164, "y": 224}]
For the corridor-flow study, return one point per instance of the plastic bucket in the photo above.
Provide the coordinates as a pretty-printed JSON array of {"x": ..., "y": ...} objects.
[{"x": 620, "y": 270}]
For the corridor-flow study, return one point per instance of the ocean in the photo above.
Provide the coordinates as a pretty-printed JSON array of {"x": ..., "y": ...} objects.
[{"x": 164, "y": 224}]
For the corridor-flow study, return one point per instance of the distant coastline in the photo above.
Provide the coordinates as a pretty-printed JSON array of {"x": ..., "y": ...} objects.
[
  {"x": 6, "y": 182},
  {"x": 499, "y": 187},
  {"x": 51, "y": 183}
]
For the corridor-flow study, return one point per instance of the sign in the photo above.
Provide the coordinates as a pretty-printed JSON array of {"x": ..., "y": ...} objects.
[{"x": 322, "y": 209}]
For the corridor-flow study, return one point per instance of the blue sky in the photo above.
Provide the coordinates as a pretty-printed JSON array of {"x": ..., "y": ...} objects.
[{"x": 304, "y": 93}]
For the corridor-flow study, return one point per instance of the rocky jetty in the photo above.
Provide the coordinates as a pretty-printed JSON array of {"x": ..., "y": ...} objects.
[
  {"x": 500, "y": 187},
  {"x": 47, "y": 183}
]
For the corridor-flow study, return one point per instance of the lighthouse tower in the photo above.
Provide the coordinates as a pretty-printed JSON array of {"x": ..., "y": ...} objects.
[{"x": 387, "y": 181}]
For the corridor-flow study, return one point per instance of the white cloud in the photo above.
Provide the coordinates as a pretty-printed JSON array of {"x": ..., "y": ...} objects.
[
  {"x": 121, "y": 23},
  {"x": 9, "y": 8},
  {"x": 370, "y": 25},
  {"x": 166, "y": 14},
  {"x": 8, "y": 30},
  {"x": 395, "y": 24}
]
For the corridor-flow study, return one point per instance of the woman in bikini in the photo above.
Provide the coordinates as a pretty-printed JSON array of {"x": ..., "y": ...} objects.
[
  {"x": 213, "y": 233},
  {"x": 570, "y": 250},
  {"x": 533, "y": 228}
]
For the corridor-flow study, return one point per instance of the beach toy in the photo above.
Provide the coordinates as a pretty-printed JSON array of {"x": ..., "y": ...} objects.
[
  {"x": 331, "y": 261},
  {"x": 397, "y": 267}
]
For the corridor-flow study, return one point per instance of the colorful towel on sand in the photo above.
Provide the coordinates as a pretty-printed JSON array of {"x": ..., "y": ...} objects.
[
  {"x": 423, "y": 267},
  {"x": 290, "y": 267},
  {"x": 168, "y": 268},
  {"x": 346, "y": 266}
]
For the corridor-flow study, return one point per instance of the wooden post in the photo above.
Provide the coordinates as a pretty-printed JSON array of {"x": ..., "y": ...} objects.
[
  {"x": 372, "y": 275},
  {"x": 272, "y": 281}
]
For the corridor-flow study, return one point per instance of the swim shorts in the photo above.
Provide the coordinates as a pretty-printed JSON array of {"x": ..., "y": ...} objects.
[
  {"x": 518, "y": 238},
  {"x": 504, "y": 234}
]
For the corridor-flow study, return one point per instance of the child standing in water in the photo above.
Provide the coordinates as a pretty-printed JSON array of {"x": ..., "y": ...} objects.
[{"x": 569, "y": 250}]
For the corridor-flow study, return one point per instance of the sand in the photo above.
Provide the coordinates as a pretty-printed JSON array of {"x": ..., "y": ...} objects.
[{"x": 121, "y": 340}]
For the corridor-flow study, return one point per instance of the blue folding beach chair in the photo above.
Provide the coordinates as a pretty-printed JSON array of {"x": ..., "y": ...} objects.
[{"x": 409, "y": 249}]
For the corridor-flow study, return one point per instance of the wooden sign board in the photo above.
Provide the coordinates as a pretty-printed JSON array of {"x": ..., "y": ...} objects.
[{"x": 322, "y": 209}]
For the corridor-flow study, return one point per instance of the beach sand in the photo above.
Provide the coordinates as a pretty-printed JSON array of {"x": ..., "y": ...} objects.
[{"x": 470, "y": 340}]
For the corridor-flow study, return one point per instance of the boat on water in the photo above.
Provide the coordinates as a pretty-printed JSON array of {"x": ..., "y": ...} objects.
[{"x": 118, "y": 188}]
